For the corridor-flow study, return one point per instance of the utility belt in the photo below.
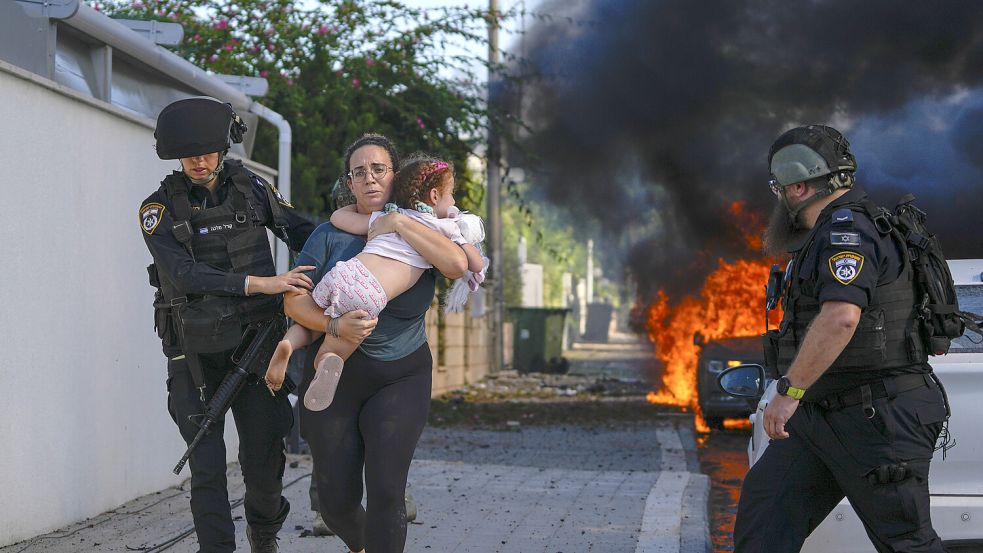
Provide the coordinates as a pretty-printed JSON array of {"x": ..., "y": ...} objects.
[
  {"x": 207, "y": 324},
  {"x": 866, "y": 394},
  {"x": 202, "y": 324}
]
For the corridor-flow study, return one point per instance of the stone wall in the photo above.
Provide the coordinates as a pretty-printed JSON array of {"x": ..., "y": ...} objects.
[{"x": 460, "y": 348}]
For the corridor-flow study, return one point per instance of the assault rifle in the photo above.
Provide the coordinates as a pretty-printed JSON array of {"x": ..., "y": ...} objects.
[{"x": 258, "y": 342}]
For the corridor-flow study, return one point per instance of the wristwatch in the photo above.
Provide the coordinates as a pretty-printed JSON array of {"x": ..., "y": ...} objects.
[{"x": 786, "y": 389}]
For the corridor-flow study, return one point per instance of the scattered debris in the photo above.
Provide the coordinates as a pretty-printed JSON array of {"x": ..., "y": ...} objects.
[{"x": 590, "y": 394}]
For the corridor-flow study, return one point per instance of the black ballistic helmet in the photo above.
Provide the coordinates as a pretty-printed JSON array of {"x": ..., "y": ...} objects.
[
  {"x": 197, "y": 126},
  {"x": 809, "y": 152}
]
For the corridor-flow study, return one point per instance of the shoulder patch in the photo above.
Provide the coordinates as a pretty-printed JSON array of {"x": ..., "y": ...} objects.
[
  {"x": 279, "y": 197},
  {"x": 150, "y": 216},
  {"x": 844, "y": 238},
  {"x": 843, "y": 216},
  {"x": 846, "y": 266}
]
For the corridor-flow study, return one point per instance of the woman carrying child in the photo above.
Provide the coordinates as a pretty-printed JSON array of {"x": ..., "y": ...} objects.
[
  {"x": 386, "y": 267},
  {"x": 383, "y": 396}
]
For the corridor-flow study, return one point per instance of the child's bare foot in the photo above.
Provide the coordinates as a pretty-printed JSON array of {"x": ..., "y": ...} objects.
[
  {"x": 322, "y": 389},
  {"x": 278, "y": 365}
]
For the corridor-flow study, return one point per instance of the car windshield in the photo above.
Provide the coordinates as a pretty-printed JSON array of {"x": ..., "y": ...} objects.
[{"x": 970, "y": 299}]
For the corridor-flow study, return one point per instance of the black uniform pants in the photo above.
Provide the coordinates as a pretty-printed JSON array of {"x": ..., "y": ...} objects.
[
  {"x": 374, "y": 423},
  {"x": 262, "y": 422},
  {"x": 831, "y": 454}
]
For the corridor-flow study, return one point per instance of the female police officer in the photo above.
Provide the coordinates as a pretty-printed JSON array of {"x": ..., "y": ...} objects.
[{"x": 206, "y": 229}]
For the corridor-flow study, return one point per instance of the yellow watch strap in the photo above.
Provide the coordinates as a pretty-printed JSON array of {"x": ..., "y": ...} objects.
[{"x": 795, "y": 393}]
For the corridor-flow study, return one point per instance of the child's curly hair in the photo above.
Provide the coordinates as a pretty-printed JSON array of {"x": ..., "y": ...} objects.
[{"x": 418, "y": 175}]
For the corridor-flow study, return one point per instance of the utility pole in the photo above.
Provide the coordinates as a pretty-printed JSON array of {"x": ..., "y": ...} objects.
[
  {"x": 590, "y": 271},
  {"x": 494, "y": 198}
]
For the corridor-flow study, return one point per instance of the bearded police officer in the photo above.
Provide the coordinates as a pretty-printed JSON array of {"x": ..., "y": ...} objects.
[
  {"x": 858, "y": 411},
  {"x": 206, "y": 227}
]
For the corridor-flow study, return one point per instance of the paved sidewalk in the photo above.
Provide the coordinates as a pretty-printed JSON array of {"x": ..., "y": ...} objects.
[{"x": 464, "y": 507}]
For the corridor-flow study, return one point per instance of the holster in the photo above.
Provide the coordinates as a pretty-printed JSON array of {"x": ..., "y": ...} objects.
[
  {"x": 770, "y": 343},
  {"x": 163, "y": 322}
]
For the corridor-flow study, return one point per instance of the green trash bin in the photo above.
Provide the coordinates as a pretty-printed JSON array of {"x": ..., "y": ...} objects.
[{"x": 537, "y": 339}]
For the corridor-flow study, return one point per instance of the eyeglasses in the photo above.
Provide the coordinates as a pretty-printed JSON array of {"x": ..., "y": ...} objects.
[
  {"x": 359, "y": 174},
  {"x": 776, "y": 188}
]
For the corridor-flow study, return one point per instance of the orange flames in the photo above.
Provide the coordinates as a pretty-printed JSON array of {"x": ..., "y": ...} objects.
[
  {"x": 748, "y": 223},
  {"x": 730, "y": 305}
]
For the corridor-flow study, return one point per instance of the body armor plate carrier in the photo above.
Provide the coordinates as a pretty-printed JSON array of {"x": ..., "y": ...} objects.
[
  {"x": 887, "y": 336},
  {"x": 229, "y": 238}
]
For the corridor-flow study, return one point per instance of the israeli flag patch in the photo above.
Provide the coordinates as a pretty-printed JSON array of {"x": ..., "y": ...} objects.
[{"x": 844, "y": 238}]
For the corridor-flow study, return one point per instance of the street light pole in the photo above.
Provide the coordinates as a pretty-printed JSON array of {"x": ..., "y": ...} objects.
[{"x": 493, "y": 198}]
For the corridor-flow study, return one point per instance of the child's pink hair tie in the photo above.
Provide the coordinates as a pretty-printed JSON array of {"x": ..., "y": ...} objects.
[{"x": 434, "y": 168}]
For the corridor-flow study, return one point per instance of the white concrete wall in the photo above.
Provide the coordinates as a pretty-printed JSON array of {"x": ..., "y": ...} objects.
[{"x": 83, "y": 418}]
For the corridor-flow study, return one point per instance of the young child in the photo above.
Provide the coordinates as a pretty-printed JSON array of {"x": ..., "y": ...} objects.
[{"x": 386, "y": 267}]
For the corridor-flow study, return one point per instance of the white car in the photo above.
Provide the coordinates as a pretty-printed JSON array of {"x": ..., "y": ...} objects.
[{"x": 956, "y": 482}]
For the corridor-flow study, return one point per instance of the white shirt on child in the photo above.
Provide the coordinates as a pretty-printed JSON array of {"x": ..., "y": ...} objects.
[{"x": 393, "y": 246}]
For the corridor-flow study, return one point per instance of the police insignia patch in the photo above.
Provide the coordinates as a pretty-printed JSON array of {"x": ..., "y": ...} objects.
[
  {"x": 279, "y": 197},
  {"x": 150, "y": 216},
  {"x": 845, "y": 266}
]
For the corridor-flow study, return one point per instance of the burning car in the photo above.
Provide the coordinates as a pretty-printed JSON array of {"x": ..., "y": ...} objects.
[
  {"x": 716, "y": 356},
  {"x": 955, "y": 481}
]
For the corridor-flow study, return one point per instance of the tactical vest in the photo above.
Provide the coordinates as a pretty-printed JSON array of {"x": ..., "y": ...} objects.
[
  {"x": 886, "y": 336},
  {"x": 230, "y": 238}
]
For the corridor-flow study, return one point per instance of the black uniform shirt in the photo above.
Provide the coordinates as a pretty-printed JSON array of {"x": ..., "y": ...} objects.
[
  {"x": 173, "y": 259},
  {"x": 848, "y": 258},
  {"x": 846, "y": 261}
]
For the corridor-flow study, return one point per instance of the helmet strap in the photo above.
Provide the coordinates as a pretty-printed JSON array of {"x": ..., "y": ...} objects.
[
  {"x": 820, "y": 194},
  {"x": 208, "y": 178}
]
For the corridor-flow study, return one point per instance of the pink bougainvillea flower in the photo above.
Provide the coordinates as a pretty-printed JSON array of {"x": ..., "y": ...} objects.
[
  {"x": 264, "y": 73},
  {"x": 322, "y": 30},
  {"x": 355, "y": 83},
  {"x": 221, "y": 24},
  {"x": 370, "y": 62},
  {"x": 420, "y": 123}
]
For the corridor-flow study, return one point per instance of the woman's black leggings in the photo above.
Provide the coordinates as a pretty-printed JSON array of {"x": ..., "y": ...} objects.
[{"x": 375, "y": 422}]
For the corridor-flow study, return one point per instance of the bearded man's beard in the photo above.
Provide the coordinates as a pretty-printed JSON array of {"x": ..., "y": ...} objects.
[{"x": 783, "y": 231}]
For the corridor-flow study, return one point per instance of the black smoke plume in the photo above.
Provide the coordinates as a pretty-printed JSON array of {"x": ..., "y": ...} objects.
[{"x": 683, "y": 99}]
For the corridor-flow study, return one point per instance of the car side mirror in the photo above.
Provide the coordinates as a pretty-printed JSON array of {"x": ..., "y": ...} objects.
[
  {"x": 698, "y": 339},
  {"x": 743, "y": 381}
]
